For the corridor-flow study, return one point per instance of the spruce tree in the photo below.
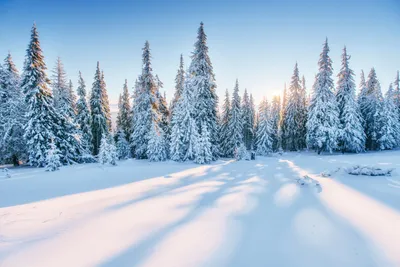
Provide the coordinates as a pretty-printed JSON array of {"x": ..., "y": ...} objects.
[
  {"x": 124, "y": 119},
  {"x": 389, "y": 135},
  {"x": 98, "y": 111},
  {"x": 248, "y": 121},
  {"x": 105, "y": 101},
  {"x": 294, "y": 120},
  {"x": 396, "y": 92},
  {"x": 372, "y": 110},
  {"x": 264, "y": 131},
  {"x": 179, "y": 84},
  {"x": 72, "y": 96},
  {"x": 362, "y": 99},
  {"x": 45, "y": 124},
  {"x": 202, "y": 148},
  {"x": 275, "y": 115},
  {"x": 63, "y": 97},
  {"x": 351, "y": 135},
  {"x": 83, "y": 118},
  {"x": 253, "y": 117},
  {"x": 282, "y": 128},
  {"x": 107, "y": 151},
  {"x": 224, "y": 129},
  {"x": 235, "y": 125},
  {"x": 203, "y": 84},
  {"x": 146, "y": 110},
  {"x": 323, "y": 117},
  {"x": 156, "y": 147},
  {"x": 53, "y": 158},
  {"x": 12, "y": 114}
]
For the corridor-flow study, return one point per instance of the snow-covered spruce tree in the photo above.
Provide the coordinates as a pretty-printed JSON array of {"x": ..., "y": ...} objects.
[
  {"x": 253, "y": 116},
  {"x": 294, "y": 120},
  {"x": 248, "y": 121},
  {"x": 275, "y": 116},
  {"x": 184, "y": 135},
  {"x": 282, "y": 129},
  {"x": 83, "y": 119},
  {"x": 146, "y": 110},
  {"x": 372, "y": 110},
  {"x": 105, "y": 101},
  {"x": 107, "y": 151},
  {"x": 303, "y": 113},
  {"x": 98, "y": 111},
  {"x": 389, "y": 136},
  {"x": 53, "y": 158},
  {"x": 179, "y": 83},
  {"x": 203, "y": 84},
  {"x": 362, "y": 98},
  {"x": 164, "y": 115},
  {"x": 156, "y": 147},
  {"x": 12, "y": 114},
  {"x": 44, "y": 122},
  {"x": 396, "y": 92},
  {"x": 203, "y": 153},
  {"x": 122, "y": 145},
  {"x": 235, "y": 125},
  {"x": 224, "y": 127},
  {"x": 63, "y": 97},
  {"x": 72, "y": 96},
  {"x": 264, "y": 131},
  {"x": 124, "y": 119},
  {"x": 323, "y": 117},
  {"x": 351, "y": 135}
]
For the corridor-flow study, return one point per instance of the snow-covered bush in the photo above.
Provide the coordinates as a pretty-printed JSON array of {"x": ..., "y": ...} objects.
[
  {"x": 107, "y": 152},
  {"x": 368, "y": 171},
  {"x": 242, "y": 153},
  {"x": 53, "y": 158}
]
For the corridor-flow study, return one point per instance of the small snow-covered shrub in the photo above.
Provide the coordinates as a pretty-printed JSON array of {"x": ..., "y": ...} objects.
[
  {"x": 53, "y": 158},
  {"x": 108, "y": 151},
  {"x": 368, "y": 171},
  {"x": 242, "y": 153},
  {"x": 328, "y": 173}
]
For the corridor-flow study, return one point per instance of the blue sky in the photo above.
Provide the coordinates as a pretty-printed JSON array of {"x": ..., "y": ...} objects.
[{"x": 257, "y": 42}]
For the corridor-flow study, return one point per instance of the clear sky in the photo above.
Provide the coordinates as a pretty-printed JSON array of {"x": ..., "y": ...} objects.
[{"x": 256, "y": 41}]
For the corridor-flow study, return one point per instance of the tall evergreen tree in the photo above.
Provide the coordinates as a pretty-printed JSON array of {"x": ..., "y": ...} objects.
[
  {"x": 124, "y": 120},
  {"x": 98, "y": 109},
  {"x": 248, "y": 121},
  {"x": 362, "y": 99},
  {"x": 45, "y": 124},
  {"x": 83, "y": 118},
  {"x": 235, "y": 125},
  {"x": 323, "y": 117},
  {"x": 105, "y": 101},
  {"x": 72, "y": 96},
  {"x": 12, "y": 114},
  {"x": 372, "y": 108},
  {"x": 351, "y": 136},
  {"x": 264, "y": 131},
  {"x": 396, "y": 92},
  {"x": 282, "y": 127},
  {"x": 224, "y": 128},
  {"x": 253, "y": 118},
  {"x": 146, "y": 110},
  {"x": 203, "y": 84},
  {"x": 184, "y": 135},
  {"x": 203, "y": 146},
  {"x": 294, "y": 120},
  {"x": 389, "y": 136},
  {"x": 275, "y": 115},
  {"x": 179, "y": 84}
]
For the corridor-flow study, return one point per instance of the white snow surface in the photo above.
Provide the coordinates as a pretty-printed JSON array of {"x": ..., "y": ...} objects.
[{"x": 229, "y": 213}]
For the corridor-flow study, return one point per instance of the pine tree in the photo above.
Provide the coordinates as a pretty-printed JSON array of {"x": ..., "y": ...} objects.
[
  {"x": 164, "y": 114},
  {"x": 123, "y": 148},
  {"x": 98, "y": 111},
  {"x": 72, "y": 96},
  {"x": 107, "y": 151},
  {"x": 235, "y": 125},
  {"x": 53, "y": 158},
  {"x": 303, "y": 114},
  {"x": 12, "y": 114},
  {"x": 146, "y": 111},
  {"x": 179, "y": 84},
  {"x": 63, "y": 97},
  {"x": 44, "y": 122},
  {"x": 294, "y": 120},
  {"x": 275, "y": 115},
  {"x": 203, "y": 146},
  {"x": 351, "y": 136},
  {"x": 282, "y": 129},
  {"x": 372, "y": 109},
  {"x": 83, "y": 118},
  {"x": 264, "y": 131},
  {"x": 203, "y": 84},
  {"x": 124, "y": 119},
  {"x": 105, "y": 101},
  {"x": 224, "y": 129},
  {"x": 253, "y": 117},
  {"x": 184, "y": 135},
  {"x": 156, "y": 150},
  {"x": 248, "y": 121},
  {"x": 362, "y": 99},
  {"x": 323, "y": 117},
  {"x": 389, "y": 136}
]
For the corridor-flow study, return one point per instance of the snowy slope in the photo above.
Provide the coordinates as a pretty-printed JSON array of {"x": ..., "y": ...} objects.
[{"x": 247, "y": 213}]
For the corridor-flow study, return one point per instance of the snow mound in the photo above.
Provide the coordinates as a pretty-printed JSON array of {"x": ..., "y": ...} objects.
[
  {"x": 368, "y": 171},
  {"x": 328, "y": 173},
  {"x": 307, "y": 181}
]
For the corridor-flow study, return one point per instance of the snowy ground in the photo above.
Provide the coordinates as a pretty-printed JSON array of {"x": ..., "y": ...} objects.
[{"x": 248, "y": 213}]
